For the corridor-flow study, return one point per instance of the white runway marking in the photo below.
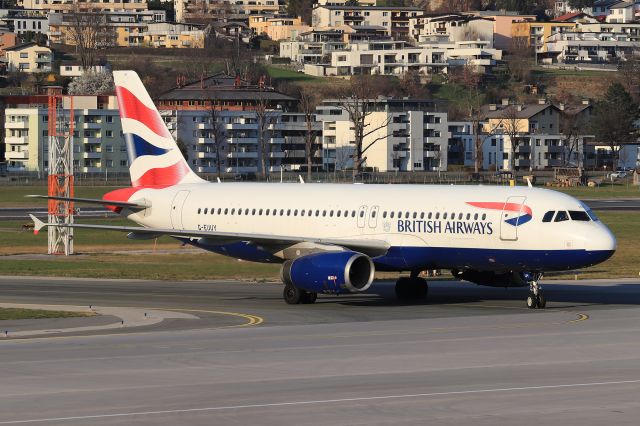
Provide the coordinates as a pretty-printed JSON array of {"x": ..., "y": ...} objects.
[{"x": 320, "y": 401}]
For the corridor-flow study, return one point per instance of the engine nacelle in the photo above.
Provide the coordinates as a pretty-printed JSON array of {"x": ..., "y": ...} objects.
[
  {"x": 492, "y": 279},
  {"x": 333, "y": 272}
]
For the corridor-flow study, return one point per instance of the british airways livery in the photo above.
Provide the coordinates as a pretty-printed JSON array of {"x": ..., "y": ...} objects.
[{"x": 332, "y": 238}]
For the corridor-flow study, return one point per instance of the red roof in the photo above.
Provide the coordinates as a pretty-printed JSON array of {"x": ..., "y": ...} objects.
[{"x": 568, "y": 16}]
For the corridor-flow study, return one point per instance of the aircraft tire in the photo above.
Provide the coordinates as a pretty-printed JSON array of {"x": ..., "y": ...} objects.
[
  {"x": 532, "y": 301},
  {"x": 541, "y": 302},
  {"x": 309, "y": 298},
  {"x": 293, "y": 295}
]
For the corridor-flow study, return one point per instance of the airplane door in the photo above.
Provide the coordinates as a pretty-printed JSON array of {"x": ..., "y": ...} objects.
[
  {"x": 373, "y": 217},
  {"x": 362, "y": 216},
  {"x": 176, "y": 209},
  {"x": 512, "y": 210}
]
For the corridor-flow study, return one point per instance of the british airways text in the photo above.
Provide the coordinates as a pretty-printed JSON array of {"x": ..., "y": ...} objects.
[{"x": 442, "y": 227}]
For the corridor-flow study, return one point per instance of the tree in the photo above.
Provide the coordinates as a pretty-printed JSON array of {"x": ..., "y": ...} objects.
[
  {"x": 511, "y": 125},
  {"x": 359, "y": 103},
  {"x": 265, "y": 118},
  {"x": 89, "y": 31},
  {"x": 92, "y": 83},
  {"x": 308, "y": 102},
  {"x": 520, "y": 60},
  {"x": 580, "y": 4},
  {"x": 217, "y": 130},
  {"x": 572, "y": 125},
  {"x": 613, "y": 119},
  {"x": 630, "y": 76}
]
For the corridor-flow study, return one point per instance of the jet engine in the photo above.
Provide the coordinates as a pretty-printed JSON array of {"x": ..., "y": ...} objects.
[
  {"x": 492, "y": 278},
  {"x": 332, "y": 272}
]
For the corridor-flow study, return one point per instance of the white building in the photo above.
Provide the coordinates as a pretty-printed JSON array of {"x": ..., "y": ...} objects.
[
  {"x": 388, "y": 57},
  {"x": 624, "y": 12},
  {"x": 454, "y": 26},
  {"x": 394, "y": 19},
  {"x": 98, "y": 143},
  {"x": 407, "y": 135},
  {"x": 590, "y": 48},
  {"x": 29, "y": 58},
  {"x": 26, "y": 21}
]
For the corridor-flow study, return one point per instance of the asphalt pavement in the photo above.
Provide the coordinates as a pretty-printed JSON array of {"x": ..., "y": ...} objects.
[{"x": 470, "y": 355}]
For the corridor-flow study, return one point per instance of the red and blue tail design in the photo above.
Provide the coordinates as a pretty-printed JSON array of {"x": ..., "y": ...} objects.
[
  {"x": 154, "y": 157},
  {"x": 525, "y": 211}
]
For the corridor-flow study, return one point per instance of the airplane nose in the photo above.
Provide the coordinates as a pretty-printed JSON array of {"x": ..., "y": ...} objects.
[{"x": 601, "y": 244}]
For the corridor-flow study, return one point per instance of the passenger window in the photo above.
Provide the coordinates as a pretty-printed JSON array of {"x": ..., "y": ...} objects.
[
  {"x": 430, "y": 215},
  {"x": 438, "y": 215},
  {"x": 206, "y": 211},
  {"x": 444, "y": 216},
  {"x": 484, "y": 216},
  {"x": 362, "y": 213},
  {"x": 548, "y": 216},
  {"x": 302, "y": 212},
  {"x": 219, "y": 210},
  {"x": 373, "y": 214},
  {"x": 391, "y": 215},
  {"x": 475, "y": 216},
  {"x": 246, "y": 212},
  {"x": 579, "y": 215},
  {"x": 468, "y": 216},
  {"x": 384, "y": 215},
  {"x": 239, "y": 212},
  {"x": 406, "y": 215},
  {"x": 317, "y": 213},
  {"x": 281, "y": 212},
  {"x": 415, "y": 215},
  {"x": 331, "y": 213},
  {"x": 226, "y": 211},
  {"x": 288, "y": 212},
  {"x": 421, "y": 215},
  {"x": 233, "y": 211},
  {"x": 213, "y": 211},
  {"x": 295, "y": 212},
  {"x": 346, "y": 213},
  {"x": 266, "y": 213},
  {"x": 253, "y": 212},
  {"x": 260, "y": 212},
  {"x": 399, "y": 215},
  {"x": 198, "y": 211},
  {"x": 561, "y": 216},
  {"x": 353, "y": 213},
  {"x": 338, "y": 213},
  {"x": 324, "y": 213}
]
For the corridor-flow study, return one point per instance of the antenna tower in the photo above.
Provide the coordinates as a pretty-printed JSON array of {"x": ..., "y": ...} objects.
[{"x": 60, "y": 178}]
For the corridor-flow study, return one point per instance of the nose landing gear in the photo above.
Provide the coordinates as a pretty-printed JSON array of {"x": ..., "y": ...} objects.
[{"x": 535, "y": 299}]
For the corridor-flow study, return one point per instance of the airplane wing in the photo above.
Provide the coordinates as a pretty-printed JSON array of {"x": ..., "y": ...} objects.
[
  {"x": 133, "y": 205},
  {"x": 372, "y": 248}
]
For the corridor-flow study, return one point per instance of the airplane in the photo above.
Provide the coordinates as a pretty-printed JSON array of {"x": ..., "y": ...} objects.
[{"x": 332, "y": 238}]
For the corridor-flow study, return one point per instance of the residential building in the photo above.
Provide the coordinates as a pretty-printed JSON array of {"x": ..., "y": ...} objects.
[
  {"x": 406, "y": 135},
  {"x": 624, "y": 12},
  {"x": 25, "y": 21},
  {"x": 217, "y": 10},
  {"x": 119, "y": 28},
  {"x": 502, "y": 21},
  {"x": 28, "y": 58},
  {"x": 601, "y": 8},
  {"x": 102, "y": 6},
  {"x": 278, "y": 28},
  {"x": 74, "y": 69},
  {"x": 388, "y": 57},
  {"x": 631, "y": 30},
  {"x": 313, "y": 47},
  {"x": 174, "y": 36},
  {"x": 343, "y": 2},
  {"x": 534, "y": 34},
  {"x": 577, "y": 17},
  {"x": 457, "y": 27},
  {"x": 395, "y": 20},
  {"x": 590, "y": 48},
  {"x": 98, "y": 145}
]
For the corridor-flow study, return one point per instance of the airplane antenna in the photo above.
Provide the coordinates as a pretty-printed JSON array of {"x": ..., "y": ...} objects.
[
  {"x": 529, "y": 182},
  {"x": 218, "y": 179},
  {"x": 300, "y": 178}
]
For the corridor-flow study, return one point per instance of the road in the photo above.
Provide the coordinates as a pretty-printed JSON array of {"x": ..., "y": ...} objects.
[{"x": 472, "y": 355}]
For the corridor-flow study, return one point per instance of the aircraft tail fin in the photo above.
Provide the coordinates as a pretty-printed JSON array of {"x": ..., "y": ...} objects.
[{"x": 154, "y": 156}]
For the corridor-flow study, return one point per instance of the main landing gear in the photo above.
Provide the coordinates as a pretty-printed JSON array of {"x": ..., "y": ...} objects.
[
  {"x": 535, "y": 299},
  {"x": 294, "y": 295},
  {"x": 412, "y": 288}
]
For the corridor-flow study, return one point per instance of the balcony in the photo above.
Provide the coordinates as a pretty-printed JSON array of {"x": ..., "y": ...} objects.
[
  {"x": 276, "y": 154},
  {"x": 91, "y": 170},
  {"x": 17, "y": 155},
  {"x": 204, "y": 140},
  {"x": 204, "y": 126},
  {"x": 240, "y": 126},
  {"x": 94, "y": 140},
  {"x": 206, "y": 155},
  {"x": 95, "y": 125},
  {"x": 251, "y": 141},
  {"x": 16, "y": 124},
  {"x": 16, "y": 140},
  {"x": 242, "y": 169},
  {"x": 276, "y": 140},
  {"x": 245, "y": 154},
  {"x": 93, "y": 155},
  {"x": 43, "y": 60}
]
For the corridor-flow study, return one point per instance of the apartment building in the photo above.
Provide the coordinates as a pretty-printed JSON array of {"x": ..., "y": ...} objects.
[
  {"x": 173, "y": 36},
  {"x": 502, "y": 21},
  {"x": 631, "y": 30},
  {"x": 395, "y": 20},
  {"x": 534, "y": 34},
  {"x": 28, "y": 57},
  {"x": 389, "y": 57},
  {"x": 457, "y": 27},
  {"x": 98, "y": 145},
  {"x": 101, "y": 6},
  {"x": 216, "y": 10},
  {"x": 278, "y": 28},
  {"x": 590, "y": 48},
  {"x": 624, "y": 12},
  {"x": 407, "y": 135},
  {"x": 26, "y": 21}
]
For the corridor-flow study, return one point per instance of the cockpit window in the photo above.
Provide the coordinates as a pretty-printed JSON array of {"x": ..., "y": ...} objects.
[
  {"x": 548, "y": 216},
  {"x": 561, "y": 216},
  {"x": 579, "y": 215}
]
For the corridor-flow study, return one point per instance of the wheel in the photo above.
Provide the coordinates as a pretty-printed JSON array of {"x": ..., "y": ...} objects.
[
  {"x": 309, "y": 297},
  {"x": 403, "y": 288},
  {"x": 542, "y": 302},
  {"x": 532, "y": 301},
  {"x": 419, "y": 288},
  {"x": 292, "y": 295}
]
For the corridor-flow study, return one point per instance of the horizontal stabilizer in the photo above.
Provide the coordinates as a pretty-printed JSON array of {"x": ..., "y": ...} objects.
[{"x": 141, "y": 204}]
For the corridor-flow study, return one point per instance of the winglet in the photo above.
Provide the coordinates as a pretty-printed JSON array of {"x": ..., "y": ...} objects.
[
  {"x": 37, "y": 224},
  {"x": 300, "y": 178}
]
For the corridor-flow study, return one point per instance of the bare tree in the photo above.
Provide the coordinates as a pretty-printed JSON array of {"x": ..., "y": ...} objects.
[
  {"x": 512, "y": 128},
  {"x": 359, "y": 104},
  {"x": 630, "y": 76},
  {"x": 216, "y": 127},
  {"x": 89, "y": 31},
  {"x": 520, "y": 60},
  {"x": 571, "y": 126},
  {"x": 265, "y": 118},
  {"x": 308, "y": 102}
]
